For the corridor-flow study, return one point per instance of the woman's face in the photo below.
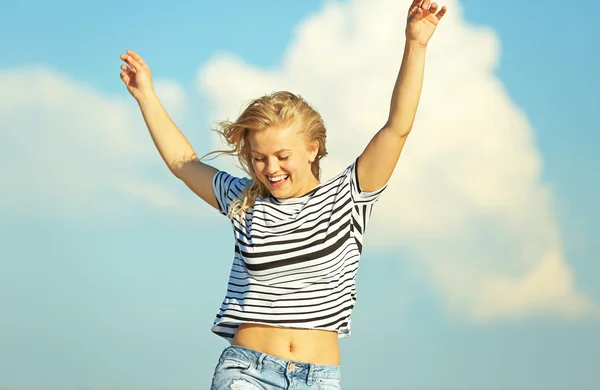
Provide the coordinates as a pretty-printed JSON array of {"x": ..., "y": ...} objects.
[{"x": 281, "y": 158}]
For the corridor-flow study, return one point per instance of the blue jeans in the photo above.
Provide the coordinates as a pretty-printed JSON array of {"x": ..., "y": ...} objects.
[{"x": 241, "y": 368}]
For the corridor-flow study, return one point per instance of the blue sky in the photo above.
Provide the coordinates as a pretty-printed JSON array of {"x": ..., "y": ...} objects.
[{"x": 111, "y": 271}]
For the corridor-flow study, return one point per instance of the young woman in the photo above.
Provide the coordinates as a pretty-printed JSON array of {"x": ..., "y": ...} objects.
[{"x": 298, "y": 241}]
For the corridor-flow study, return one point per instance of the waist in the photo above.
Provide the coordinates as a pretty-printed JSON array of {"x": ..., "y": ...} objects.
[
  {"x": 263, "y": 361},
  {"x": 298, "y": 345}
]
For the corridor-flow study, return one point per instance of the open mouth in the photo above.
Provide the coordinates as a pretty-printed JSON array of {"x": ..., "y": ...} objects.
[{"x": 278, "y": 181}]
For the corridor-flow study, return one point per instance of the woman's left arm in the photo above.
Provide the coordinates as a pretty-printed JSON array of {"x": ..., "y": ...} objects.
[{"x": 377, "y": 162}]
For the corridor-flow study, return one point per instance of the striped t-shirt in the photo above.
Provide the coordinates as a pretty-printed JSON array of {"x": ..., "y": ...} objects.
[{"x": 295, "y": 260}]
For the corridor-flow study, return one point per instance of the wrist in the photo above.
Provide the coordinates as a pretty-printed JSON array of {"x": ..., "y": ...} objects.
[
  {"x": 147, "y": 98},
  {"x": 413, "y": 45}
]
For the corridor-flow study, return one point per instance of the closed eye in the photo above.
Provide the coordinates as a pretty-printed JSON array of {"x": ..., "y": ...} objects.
[{"x": 281, "y": 158}]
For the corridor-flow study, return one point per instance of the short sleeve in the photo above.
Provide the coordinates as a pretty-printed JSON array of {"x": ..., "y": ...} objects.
[
  {"x": 227, "y": 188},
  {"x": 363, "y": 203},
  {"x": 358, "y": 195}
]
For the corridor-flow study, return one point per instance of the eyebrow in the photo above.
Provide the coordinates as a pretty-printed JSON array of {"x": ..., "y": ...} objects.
[{"x": 277, "y": 152}]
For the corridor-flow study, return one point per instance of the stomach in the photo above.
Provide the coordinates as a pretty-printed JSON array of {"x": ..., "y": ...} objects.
[{"x": 300, "y": 345}]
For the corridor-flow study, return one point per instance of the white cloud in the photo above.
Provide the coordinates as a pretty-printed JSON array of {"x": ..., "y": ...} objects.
[
  {"x": 467, "y": 198},
  {"x": 67, "y": 151}
]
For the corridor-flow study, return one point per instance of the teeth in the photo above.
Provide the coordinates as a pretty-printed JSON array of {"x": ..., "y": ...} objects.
[{"x": 277, "y": 178}]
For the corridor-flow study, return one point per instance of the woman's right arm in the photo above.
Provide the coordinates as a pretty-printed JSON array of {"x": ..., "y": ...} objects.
[{"x": 173, "y": 146}]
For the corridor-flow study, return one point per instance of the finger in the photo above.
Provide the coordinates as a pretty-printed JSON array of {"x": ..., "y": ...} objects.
[
  {"x": 124, "y": 58},
  {"x": 416, "y": 13},
  {"x": 412, "y": 11},
  {"x": 125, "y": 78},
  {"x": 425, "y": 5},
  {"x": 433, "y": 8},
  {"x": 442, "y": 12},
  {"x": 126, "y": 69},
  {"x": 132, "y": 63},
  {"x": 414, "y": 8},
  {"x": 129, "y": 60},
  {"x": 137, "y": 57}
]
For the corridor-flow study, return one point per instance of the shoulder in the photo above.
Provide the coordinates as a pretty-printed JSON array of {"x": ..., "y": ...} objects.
[
  {"x": 343, "y": 177},
  {"x": 348, "y": 178},
  {"x": 227, "y": 181}
]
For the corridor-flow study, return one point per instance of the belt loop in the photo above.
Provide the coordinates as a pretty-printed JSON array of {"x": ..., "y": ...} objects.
[
  {"x": 309, "y": 377},
  {"x": 260, "y": 361}
]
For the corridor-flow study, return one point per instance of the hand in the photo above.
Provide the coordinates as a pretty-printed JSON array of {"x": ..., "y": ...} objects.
[
  {"x": 422, "y": 21},
  {"x": 136, "y": 75}
]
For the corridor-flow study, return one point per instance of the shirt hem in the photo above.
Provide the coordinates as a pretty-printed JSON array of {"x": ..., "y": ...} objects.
[{"x": 343, "y": 333}]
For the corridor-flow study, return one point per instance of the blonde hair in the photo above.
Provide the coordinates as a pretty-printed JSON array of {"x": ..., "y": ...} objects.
[{"x": 279, "y": 109}]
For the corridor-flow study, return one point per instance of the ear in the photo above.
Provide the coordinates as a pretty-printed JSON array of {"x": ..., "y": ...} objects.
[{"x": 313, "y": 150}]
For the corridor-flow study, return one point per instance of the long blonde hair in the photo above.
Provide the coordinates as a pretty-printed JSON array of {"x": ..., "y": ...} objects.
[{"x": 277, "y": 109}]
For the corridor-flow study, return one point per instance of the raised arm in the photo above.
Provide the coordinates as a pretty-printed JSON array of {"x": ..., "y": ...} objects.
[
  {"x": 172, "y": 145},
  {"x": 377, "y": 162}
]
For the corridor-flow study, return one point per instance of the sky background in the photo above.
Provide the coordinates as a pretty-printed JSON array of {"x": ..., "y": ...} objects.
[{"x": 480, "y": 269}]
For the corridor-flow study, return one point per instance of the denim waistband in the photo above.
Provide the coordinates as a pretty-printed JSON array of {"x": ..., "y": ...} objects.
[{"x": 265, "y": 361}]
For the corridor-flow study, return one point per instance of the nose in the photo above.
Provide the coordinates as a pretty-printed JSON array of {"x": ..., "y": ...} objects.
[{"x": 272, "y": 166}]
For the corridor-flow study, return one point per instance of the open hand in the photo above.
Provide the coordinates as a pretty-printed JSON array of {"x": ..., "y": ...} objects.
[
  {"x": 136, "y": 75},
  {"x": 423, "y": 18}
]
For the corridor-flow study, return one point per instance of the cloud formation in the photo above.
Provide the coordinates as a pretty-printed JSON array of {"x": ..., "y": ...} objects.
[
  {"x": 69, "y": 152},
  {"x": 466, "y": 201}
]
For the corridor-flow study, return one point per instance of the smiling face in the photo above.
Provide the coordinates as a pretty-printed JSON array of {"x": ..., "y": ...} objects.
[{"x": 281, "y": 159}]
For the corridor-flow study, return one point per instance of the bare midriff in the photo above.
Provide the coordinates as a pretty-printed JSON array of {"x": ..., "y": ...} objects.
[{"x": 299, "y": 345}]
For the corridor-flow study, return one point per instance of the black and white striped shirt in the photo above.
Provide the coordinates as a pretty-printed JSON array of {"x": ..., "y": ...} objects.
[{"x": 295, "y": 260}]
